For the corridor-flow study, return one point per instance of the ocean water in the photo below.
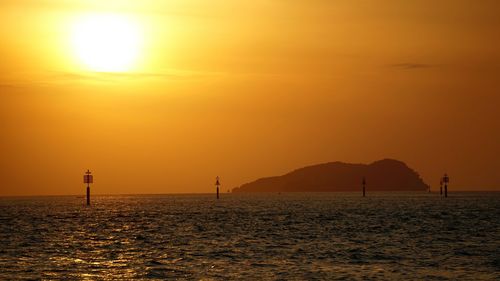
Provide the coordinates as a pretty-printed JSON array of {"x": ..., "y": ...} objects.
[{"x": 306, "y": 236}]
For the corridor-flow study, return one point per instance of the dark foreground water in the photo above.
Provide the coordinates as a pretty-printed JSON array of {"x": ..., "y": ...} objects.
[{"x": 277, "y": 236}]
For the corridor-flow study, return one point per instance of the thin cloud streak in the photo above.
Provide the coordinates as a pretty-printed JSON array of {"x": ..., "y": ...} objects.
[
  {"x": 409, "y": 65},
  {"x": 7, "y": 86},
  {"x": 55, "y": 77}
]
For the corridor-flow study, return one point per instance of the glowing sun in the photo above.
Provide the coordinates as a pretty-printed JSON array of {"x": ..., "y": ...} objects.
[{"x": 106, "y": 42}]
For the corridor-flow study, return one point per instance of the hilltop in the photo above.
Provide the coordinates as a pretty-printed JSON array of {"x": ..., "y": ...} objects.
[{"x": 382, "y": 175}]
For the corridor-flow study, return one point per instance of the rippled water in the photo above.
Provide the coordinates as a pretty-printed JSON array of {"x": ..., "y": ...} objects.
[{"x": 276, "y": 236}]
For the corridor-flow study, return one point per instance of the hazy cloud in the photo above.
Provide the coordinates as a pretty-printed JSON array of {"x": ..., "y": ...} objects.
[
  {"x": 6, "y": 86},
  {"x": 118, "y": 76},
  {"x": 47, "y": 78},
  {"x": 411, "y": 65}
]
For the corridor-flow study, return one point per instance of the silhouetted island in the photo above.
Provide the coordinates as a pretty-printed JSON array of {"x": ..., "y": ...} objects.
[{"x": 383, "y": 175}]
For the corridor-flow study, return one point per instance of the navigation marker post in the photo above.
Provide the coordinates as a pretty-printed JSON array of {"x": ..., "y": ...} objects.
[
  {"x": 88, "y": 178},
  {"x": 217, "y": 184},
  {"x": 364, "y": 187},
  {"x": 441, "y": 187},
  {"x": 446, "y": 180}
]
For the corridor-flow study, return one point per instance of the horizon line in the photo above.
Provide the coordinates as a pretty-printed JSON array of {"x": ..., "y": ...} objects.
[{"x": 207, "y": 193}]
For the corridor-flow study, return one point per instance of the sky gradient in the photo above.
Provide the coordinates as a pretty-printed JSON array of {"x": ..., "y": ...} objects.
[{"x": 246, "y": 89}]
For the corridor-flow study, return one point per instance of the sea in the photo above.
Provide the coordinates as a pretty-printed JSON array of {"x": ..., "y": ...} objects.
[{"x": 277, "y": 236}]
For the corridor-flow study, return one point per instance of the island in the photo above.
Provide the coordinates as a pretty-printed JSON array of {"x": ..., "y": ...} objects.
[{"x": 382, "y": 175}]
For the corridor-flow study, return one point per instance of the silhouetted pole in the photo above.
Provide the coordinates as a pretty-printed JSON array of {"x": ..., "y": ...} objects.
[
  {"x": 364, "y": 187},
  {"x": 441, "y": 187},
  {"x": 88, "y": 194},
  {"x": 88, "y": 179},
  {"x": 217, "y": 184},
  {"x": 446, "y": 180}
]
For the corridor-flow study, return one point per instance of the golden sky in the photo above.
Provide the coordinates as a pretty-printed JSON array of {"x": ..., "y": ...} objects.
[{"x": 245, "y": 89}]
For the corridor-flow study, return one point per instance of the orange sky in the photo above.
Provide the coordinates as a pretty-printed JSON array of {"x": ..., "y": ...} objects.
[{"x": 245, "y": 89}]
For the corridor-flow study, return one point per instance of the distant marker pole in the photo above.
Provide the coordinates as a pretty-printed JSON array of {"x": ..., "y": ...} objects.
[
  {"x": 364, "y": 187},
  {"x": 441, "y": 187},
  {"x": 217, "y": 184},
  {"x": 446, "y": 180},
  {"x": 88, "y": 178}
]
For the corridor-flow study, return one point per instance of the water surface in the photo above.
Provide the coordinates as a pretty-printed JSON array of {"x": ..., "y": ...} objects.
[{"x": 303, "y": 236}]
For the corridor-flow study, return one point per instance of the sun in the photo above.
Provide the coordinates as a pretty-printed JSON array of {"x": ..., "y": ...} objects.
[{"x": 106, "y": 42}]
